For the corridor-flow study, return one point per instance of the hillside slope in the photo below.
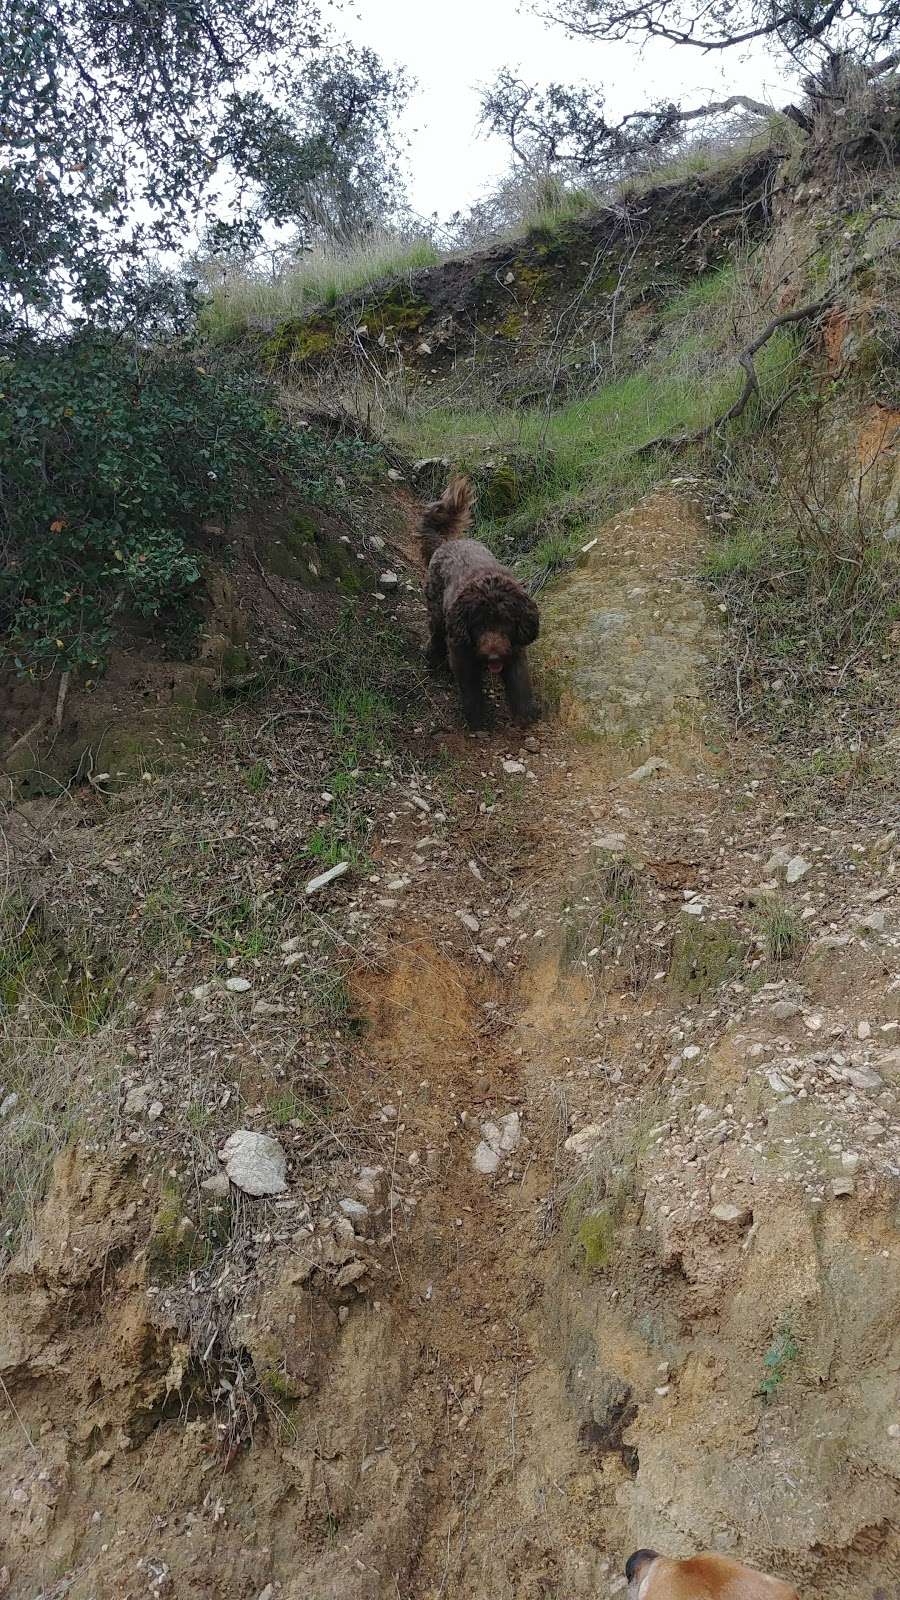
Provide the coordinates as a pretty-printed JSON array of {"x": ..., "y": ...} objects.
[{"x": 575, "y": 1097}]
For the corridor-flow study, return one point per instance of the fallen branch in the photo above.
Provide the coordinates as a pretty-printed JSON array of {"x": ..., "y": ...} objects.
[
  {"x": 61, "y": 700},
  {"x": 751, "y": 380}
]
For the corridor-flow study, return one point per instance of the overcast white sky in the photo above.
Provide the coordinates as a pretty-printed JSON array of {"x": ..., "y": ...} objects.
[{"x": 452, "y": 46}]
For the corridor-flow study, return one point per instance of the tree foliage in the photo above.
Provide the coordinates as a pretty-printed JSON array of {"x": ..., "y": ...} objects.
[
  {"x": 801, "y": 27},
  {"x": 111, "y": 462},
  {"x": 121, "y": 120},
  {"x": 565, "y": 128}
]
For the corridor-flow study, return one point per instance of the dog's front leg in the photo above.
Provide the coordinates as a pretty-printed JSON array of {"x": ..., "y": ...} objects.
[
  {"x": 436, "y": 655},
  {"x": 467, "y": 673},
  {"x": 519, "y": 694}
]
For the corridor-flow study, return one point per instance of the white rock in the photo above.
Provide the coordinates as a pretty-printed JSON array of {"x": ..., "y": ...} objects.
[
  {"x": 217, "y": 1186},
  {"x": 137, "y": 1100},
  {"x": 327, "y": 877},
  {"x": 849, "y": 1160},
  {"x": 238, "y": 985},
  {"x": 842, "y": 1186},
  {"x": 585, "y": 1140},
  {"x": 376, "y": 542},
  {"x": 647, "y": 769},
  {"x": 796, "y": 869},
  {"x": 778, "y": 1085},
  {"x": 255, "y": 1163},
  {"x": 863, "y": 1077},
  {"x": 694, "y": 908},
  {"x": 357, "y": 1212},
  {"x": 202, "y": 990},
  {"x": 267, "y": 1008},
  {"x": 783, "y": 1010},
  {"x": 777, "y": 861},
  {"x": 8, "y": 1104},
  {"x": 875, "y": 922},
  {"x": 388, "y": 580},
  {"x": 733, "y": 1216},
  {"x": 155, "y": 1110},
  {"x": 512, "y": 767},
  {"x": 510, "y": 1131},
  {"x": 469, "y": 922},
  {"x": 612, "y": 842},
  {"x": 863, "y": 1030},
  {"x": 485, "y": 1160}
]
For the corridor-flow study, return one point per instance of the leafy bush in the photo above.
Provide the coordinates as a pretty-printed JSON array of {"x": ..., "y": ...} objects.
[{"x": 112, "y": 459}]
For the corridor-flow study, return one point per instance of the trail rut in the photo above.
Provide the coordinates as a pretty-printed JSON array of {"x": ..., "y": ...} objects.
[{"x": 567, "y": 1357}]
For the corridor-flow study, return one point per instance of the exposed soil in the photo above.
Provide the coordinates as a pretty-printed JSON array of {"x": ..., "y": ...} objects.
[{"x": 669, "y": 1316}]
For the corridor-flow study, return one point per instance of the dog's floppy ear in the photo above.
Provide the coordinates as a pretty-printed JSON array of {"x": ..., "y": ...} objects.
[{"x": 526, "y": 621}]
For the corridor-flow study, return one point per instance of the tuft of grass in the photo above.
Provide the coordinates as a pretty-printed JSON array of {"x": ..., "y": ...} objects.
[
  {"x": 777, "y": 1361},
  {"x": 704, "y": 956},
  {"x": 243, "y": 299},
  {"x": 257, "y": 777},
  {"x": 784, "y": 934}
]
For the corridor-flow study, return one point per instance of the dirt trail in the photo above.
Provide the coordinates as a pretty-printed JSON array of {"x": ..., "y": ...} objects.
[
  {"x": 596, "y": 1335},
  {"x": 637, "y": 1175}
]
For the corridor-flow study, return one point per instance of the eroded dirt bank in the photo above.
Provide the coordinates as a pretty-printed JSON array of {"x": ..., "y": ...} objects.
[{"x": 621, "y": 1128}]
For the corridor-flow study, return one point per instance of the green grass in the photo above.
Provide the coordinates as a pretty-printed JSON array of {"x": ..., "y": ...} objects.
[
  {"x": 321, "y": 278},
  {"x": 777, "y": 1361},
  {"x": 587, "y": 459},
  {"x": 784, "y": 934}
]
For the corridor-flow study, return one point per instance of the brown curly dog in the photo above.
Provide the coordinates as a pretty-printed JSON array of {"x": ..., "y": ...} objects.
[{"x": 478, "y": 613}]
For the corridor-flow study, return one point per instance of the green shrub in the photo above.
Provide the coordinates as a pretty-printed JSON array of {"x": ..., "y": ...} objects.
[{"x": 112, "y": 459}]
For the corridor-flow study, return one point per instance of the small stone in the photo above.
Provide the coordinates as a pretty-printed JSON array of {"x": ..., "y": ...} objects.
[
  {"x": 357, "y": 1213},
  {"x": 155, "y": 1110},
  {"x": 849, "y": 1160},
  {"x": 647, "y": 769},
  {"x": 783, "y": 1010},
  {"x": 389, "y": 1113},
  {"x": 863, "y": 1030},
  {"x": 238, "y": 985},
  {"x": 813, "y": 1022},
  {"x": 662, "y": 1389},
  {"x": 217, "y": 1186},
  {"x": 327, "y": 877},
  {"x": 585, "y": 1140},
  {"x": 255, "y": 1163},
  {"x": 267, "y": 1008},
  {"x": 613, "y": 842},
  {"x": 841, "y": 1187},
  {"x": 510, "y": 1131},
  {"x": 874, "y": 922},
  {"x": 8, "y": 1104},
  {"x": 864, "y": 1077},
  {"x": 388, "y": 580},
  {"x": 796, "y": 869},
  {"x": 394, "y": 475},
  {"x": 202, "y": 991},
  {"x": 894, "y": 1430},
  {"x": 694, "y": 908},
  {"x": 376, "y": 542},
  {"x": 137, "y": 1100},
  {"x": 532, "y": 744},
  {"x": 513, "y": 767},
  {"x": 778, "y": 1085},
  {"x": 469, "y": 922},
  {"x": 732, "y": 1216},
  {"x": 485, "y": 1159},
  {"x": 777, "y": 861}
]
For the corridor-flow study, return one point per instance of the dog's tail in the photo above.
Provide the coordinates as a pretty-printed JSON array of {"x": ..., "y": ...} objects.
[{"x": 447, "y": 518}]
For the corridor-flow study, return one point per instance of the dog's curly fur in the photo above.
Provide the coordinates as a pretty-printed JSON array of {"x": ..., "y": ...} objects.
[{"x": 479, "y": 615}]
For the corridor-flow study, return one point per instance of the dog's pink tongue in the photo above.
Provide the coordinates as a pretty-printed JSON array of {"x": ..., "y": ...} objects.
[{"x": 494, "y": 667}]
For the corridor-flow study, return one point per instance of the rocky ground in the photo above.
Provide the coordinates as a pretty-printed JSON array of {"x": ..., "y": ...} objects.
[{"x": 522, "y": 1194}]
